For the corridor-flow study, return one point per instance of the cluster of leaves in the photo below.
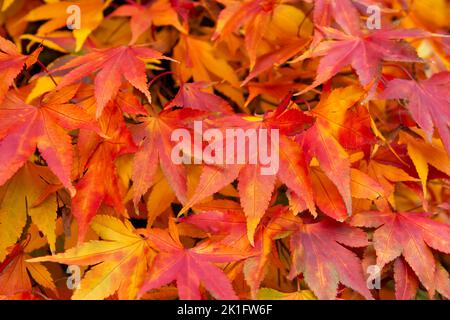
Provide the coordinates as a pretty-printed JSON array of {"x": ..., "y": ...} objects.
[{"x": 86, "y": 177}]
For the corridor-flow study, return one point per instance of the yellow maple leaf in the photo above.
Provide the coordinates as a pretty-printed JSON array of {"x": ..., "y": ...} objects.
[
  {"x": 91, "y": 15},
  {"x": 121, "y": 252}
]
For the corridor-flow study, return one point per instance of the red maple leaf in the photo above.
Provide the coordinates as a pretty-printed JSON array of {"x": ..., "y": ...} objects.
[
  {"x": 191, "y": 95},
  {"x": 43, "y": 125},
  {"x": 318, "y": 253},
  {"x": 155, "y": 147},
  {"x": 365, "y": 52},
  {"x": 255, "y": 188},
  {"x": 100, "y": 182},
  {"x": 12, "y": 63},
  {"x": 190, "y": 267},
  {"x": 428, "y": 102},
  {"x": 408, "y": 234},
  {"x": 112, "y": 64}
]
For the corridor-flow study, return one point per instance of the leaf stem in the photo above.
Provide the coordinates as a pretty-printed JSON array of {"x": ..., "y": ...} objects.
[
  {"x": 46, "y": 71},
  {"x": 159, "y": 76}
]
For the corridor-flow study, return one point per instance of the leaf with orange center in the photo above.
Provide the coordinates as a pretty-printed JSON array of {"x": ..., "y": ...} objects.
[
  {"x": 320, "y": 141},
  {"x": 100, "y": 182},
  {"x": 155, "y": 147},
  {"x": 190, "y": 267},
  {"x": 423, "y": 155},
  {"x": 326, "y": 196},
  {"x": 386, "y": 175},
  {"x": 12, "y": 63},
  {"x": 121, "y": 251},
  {"x": 202, "y": 61},
  {"x": 29, "y": 193},
  {"x": 408, "y": 234},
  {"x": 364, "y": 187},
  {"x": 113, "y": 65},
  {"x": 228, "y": 226},
  {"x": 43, "y": 125},
  {"x": 90, "y": 17},
  {"x": 158, "y": 13}
]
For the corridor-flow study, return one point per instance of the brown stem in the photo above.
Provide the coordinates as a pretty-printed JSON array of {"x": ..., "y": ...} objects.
[
  {"x": 304, "y": 19},
  {"x": 159, "y": 76},
  {"x": 46, "y": 71}
]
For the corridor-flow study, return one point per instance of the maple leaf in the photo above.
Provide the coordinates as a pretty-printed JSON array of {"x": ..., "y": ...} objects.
[
  {"x": 364, "y": 52},
  {"x": 112, "y": 64},
  {"x": 12, "y": 63},
  {"x": 428, "y": 102},
  {"x": 321, "y": 139},
  {"x": 225, "y": 220},
  {"x": 221, "y": 218},
  {"x": 408, "y": 234},
  {"x": 342, "y": 11},
  {"x": 190, "y": 267},
  {"x": 90, "y": 18},
  {"x": 183, "y": 7},
  {"x": 332, "y": 158},
  {"x": 100, "y": 182},
  {"x": 386, "y": 175},
  {"x": 191, "y": 95},
  {"x": 16, "y": 274},
  {"x": 423, "y": 154},
  {"x": 326, "y": 196},
  {"x": 277, "y": 25},
  {"x": 25, "y": 127},
  {"x": 237, "y": 13},
  {"x": 155, "y": 147},
  {"x": 81, "y": 163},
  {"x": 268, "y": 60},
  {"x": 200, "y": 60},
  {"x": 406, "y": 283},
  {"x": 158, "y": 13},
  {"x": 255, "y": 14},
  {"x": 255, "y": 189},
  {"x": 25, "y": 194},
  {"x": 355, "y": 132},
  {"x": 122, "y": 251},
  {"x": 442, "y": 281},
  {"x": 317, "y": 252},
  {"x": 363, "y": 186}
]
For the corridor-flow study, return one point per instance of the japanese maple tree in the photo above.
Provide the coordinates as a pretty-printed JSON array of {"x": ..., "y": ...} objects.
[{"x": 116, "y": 161}]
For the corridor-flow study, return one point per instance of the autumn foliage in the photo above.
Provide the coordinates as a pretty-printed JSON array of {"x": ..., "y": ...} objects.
[{"x": 91, "y": 95}]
